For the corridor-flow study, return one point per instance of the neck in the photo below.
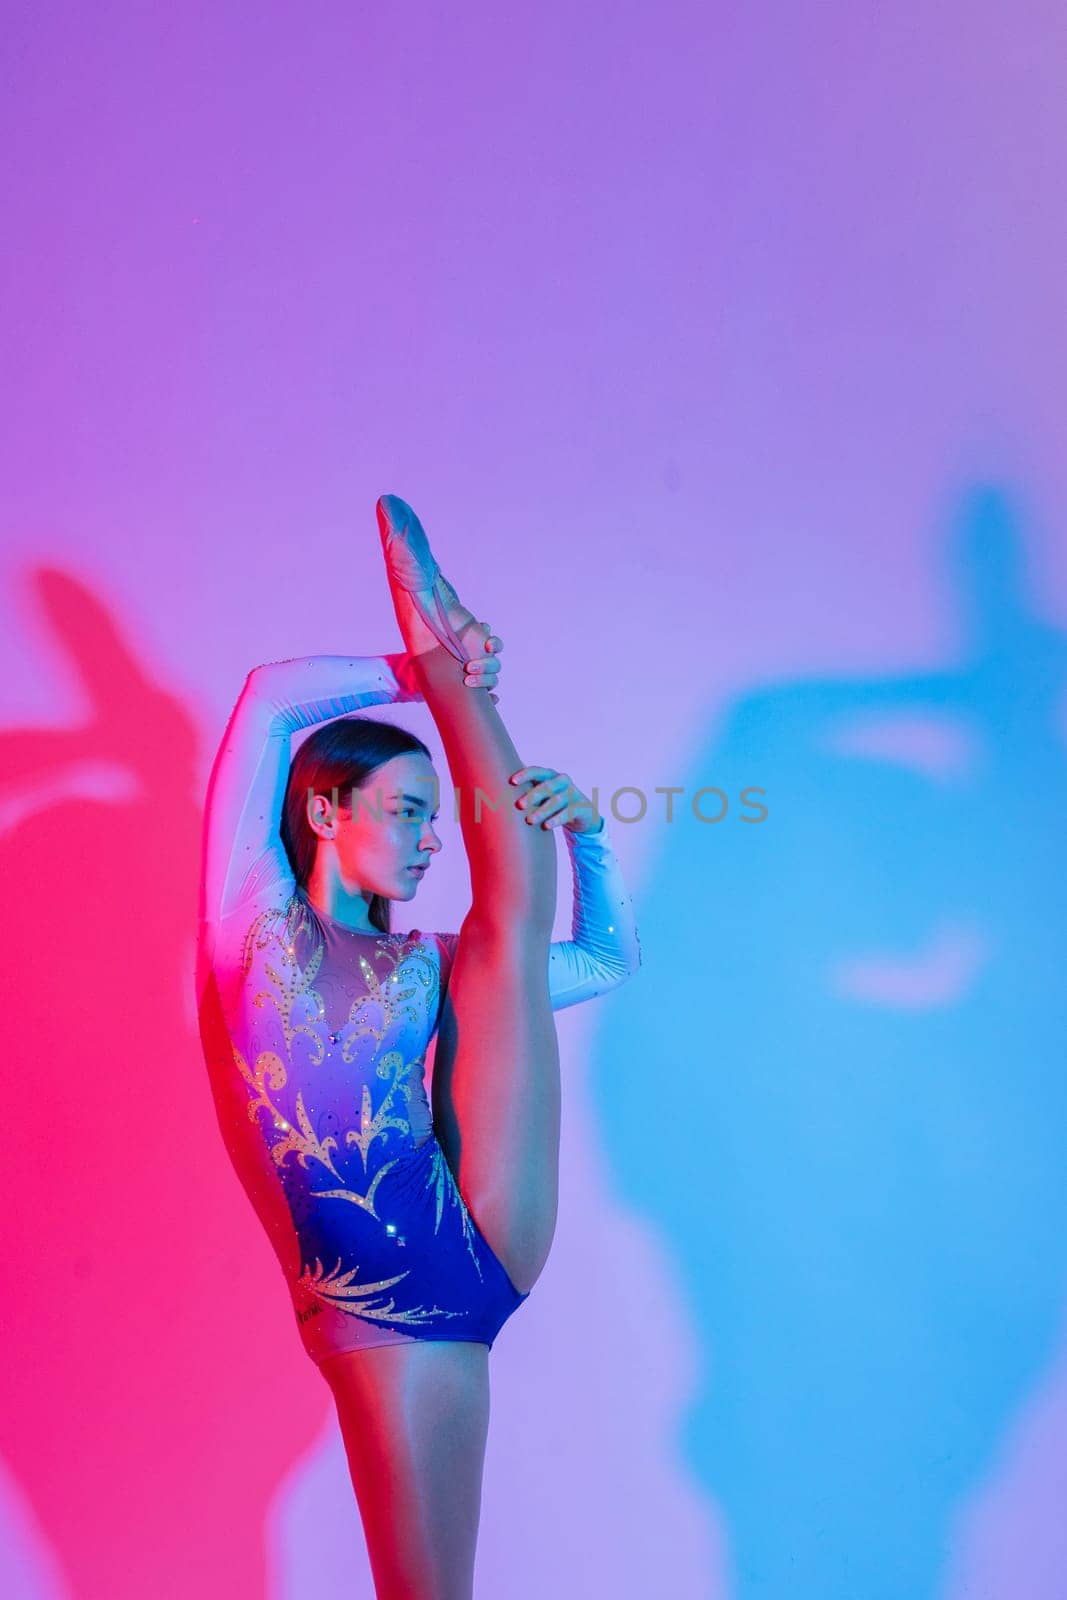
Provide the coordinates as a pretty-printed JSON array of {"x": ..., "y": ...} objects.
[{"x": 328, "y": 894}]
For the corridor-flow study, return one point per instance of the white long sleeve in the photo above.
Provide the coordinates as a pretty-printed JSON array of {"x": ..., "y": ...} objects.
[
  {"x": 244, "y": 858},
  {"x": 243, "y": 854},
  {"x": 604, "y": 949}
]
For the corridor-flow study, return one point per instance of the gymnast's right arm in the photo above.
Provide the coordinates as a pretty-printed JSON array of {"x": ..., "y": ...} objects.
[{"x": 243, "y": 854}]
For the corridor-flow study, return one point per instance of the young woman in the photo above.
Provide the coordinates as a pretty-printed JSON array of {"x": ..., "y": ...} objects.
[{"x": 407, "y": 1235}]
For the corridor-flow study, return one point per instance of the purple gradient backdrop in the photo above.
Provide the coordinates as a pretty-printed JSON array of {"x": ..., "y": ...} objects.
[{"x": 689, "y": 330}]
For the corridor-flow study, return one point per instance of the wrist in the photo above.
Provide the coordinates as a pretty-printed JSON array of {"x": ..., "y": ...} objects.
[
  {"x": 403, "y": 669},
  {"x": 585, "y": 827}
]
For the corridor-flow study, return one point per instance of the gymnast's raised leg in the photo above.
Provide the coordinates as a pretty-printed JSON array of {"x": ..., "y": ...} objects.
[{"x": 496, "y": 1086}]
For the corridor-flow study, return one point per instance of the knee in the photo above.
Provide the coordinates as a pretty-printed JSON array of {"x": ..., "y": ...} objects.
[
  {"x": 522, "y": 892},
  {"x": 516, "y": 909}
]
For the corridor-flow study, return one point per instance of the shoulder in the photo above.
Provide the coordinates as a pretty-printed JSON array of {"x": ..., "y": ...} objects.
[
  {"x": 444, "y": 944},
  {"x": 262, "y": 923},
  {"x": 439, "y": 948}
]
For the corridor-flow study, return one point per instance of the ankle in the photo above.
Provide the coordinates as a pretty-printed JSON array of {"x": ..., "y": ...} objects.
[{"x": 419, "y": 640}]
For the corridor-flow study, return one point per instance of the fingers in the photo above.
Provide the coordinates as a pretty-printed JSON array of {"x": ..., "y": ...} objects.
[
  {"x": 550, "y": 813},
  {"x": 482, "y": 672},
  {"x": 490, "y": 642},
  {"x": 532, "y": 772},
  {"x": 550, "y": 798},
  {"x": 545, "y": 790}
]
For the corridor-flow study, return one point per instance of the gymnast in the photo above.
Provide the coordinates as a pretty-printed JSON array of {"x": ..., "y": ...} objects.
[{"x": 407, "y": 1232}]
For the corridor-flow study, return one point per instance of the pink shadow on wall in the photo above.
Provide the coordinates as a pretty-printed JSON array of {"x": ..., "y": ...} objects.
[{"x": 154, "y": 1391}]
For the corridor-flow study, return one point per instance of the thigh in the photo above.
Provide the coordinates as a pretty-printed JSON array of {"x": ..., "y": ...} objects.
[
  {"x": 497, "y": 1005},
  {"x": 414, "y": 1419},
  {"x": 496, "y": 1093}
]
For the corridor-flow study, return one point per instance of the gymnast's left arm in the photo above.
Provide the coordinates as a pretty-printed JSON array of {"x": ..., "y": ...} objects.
[{"x": 604, "y": 949}]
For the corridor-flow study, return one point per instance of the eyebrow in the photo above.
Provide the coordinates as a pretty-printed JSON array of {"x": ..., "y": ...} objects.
[{"x": 416, "y": 799}]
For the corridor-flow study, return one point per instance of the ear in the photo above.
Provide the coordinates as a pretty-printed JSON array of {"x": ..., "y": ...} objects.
[{"x": 322, "y": 813}]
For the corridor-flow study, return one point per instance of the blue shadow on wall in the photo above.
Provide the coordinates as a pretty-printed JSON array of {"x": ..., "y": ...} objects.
[{"x": 838, "y": 1088}]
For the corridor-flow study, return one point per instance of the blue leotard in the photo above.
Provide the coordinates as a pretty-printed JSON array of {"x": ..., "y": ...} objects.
[{"x": 315, "y": 1036}]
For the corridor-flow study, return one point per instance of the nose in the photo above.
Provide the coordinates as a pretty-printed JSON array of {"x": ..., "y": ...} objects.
[{"x": 428, "y": 839}]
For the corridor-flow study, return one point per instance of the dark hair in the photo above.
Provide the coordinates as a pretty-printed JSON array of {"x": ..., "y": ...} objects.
[{"x": 340, "y": 755}]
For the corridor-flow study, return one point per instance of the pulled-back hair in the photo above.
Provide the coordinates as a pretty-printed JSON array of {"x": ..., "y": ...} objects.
[{"x": 340, "y": 755}]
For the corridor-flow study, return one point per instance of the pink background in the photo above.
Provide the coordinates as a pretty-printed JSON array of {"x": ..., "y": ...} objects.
[{"x": 722, "y": 350}]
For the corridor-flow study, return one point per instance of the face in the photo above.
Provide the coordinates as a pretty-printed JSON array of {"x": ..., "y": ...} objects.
[{"x": 389, "y": 830}]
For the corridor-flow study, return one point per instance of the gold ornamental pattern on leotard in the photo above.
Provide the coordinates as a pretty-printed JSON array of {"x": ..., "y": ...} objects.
[{"x": 333, "y": 1093}]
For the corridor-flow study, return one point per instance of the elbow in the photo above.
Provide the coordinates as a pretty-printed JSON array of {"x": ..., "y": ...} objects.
[
  {"x": 253, "y": 684},
  {"x": 622, "y": 971},
  {"x": 264, "y": 689},
  {"x": 258, "y": 676}
]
